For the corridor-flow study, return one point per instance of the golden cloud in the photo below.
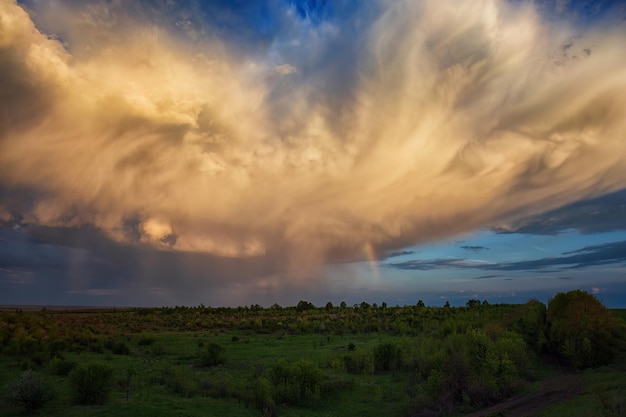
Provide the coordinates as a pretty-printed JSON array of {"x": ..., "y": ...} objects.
[{"x": 451, "y": 116}]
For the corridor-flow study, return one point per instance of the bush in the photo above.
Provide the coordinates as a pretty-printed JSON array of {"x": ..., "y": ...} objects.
[
  {"x": 297, "y": 383},
  {"x": 263, "y": 395},
  {"x": 387, "y": 356},
  {"x": 61, "y": 367},
  {"x": 146, "y": 340},
  {"x": 30, "y": 391},
  {"x": 91, "y": 384},
  {"x": 361, "y": 362},
  {"x": 212, "y": 355}
]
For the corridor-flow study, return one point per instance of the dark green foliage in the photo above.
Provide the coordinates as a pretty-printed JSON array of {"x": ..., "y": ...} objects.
[
  {"x": 472, "y": 303},
  {"x": 212, "y": 354},
  {"x": 120, "y": 348},
  {"x": 262, "y": 392},
  {"x": 582, "y": 331},
  {"x": 387, "y": 357},
  {"x": 146, "y": 340},
  {"x": 61, "y": 367},
  {"x": 473, "y": 371},
  {"x": 30, "y": 390},
  {"x": 91, "y": 384},
  {"x": 296, "y": 383},
  {"x": 360, "y": 362},
  {"x": 304, "y": 306},
  {"x": 531, "y": 324}
]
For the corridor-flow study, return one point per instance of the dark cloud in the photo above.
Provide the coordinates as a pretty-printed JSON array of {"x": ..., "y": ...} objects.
[
  {"x": 474, "y": 248},
  {"x": 602, "y": 214},
  {"x": 82, "y": 265},
  {"x": 395, "y": 254},
  {"x": 488, "y": 276}
]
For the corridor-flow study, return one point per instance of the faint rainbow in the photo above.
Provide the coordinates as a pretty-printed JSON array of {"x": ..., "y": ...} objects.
[{"x": 372, "y": 260}]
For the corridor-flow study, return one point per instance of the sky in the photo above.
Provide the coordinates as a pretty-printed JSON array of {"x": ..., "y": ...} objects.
[{"x": 227, "y": 153}]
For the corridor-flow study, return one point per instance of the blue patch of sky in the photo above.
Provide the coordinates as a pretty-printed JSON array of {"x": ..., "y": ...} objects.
[{"x": 510, "y": 247}]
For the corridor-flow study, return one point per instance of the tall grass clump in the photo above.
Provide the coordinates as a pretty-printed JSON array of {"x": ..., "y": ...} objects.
[{"x": 91, "y": 384}]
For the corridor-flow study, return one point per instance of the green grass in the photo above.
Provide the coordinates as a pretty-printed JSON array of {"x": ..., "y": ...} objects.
[
  {"x": 175, "y": 353},
  {"x": 602, "y": 390}
]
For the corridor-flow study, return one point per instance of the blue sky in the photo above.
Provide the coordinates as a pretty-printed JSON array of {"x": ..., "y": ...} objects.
[{"x": 242, "y": 152}]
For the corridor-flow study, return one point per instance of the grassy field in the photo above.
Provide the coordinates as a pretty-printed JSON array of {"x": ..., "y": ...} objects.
[
  {"x": 155, "y": 356},
  {"x": 166, "y": 379}
]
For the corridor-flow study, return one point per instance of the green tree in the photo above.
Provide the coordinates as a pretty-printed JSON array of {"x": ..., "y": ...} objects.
[
  {"x": 304, "y": 305},
  {"x": 582, "y": 331}
]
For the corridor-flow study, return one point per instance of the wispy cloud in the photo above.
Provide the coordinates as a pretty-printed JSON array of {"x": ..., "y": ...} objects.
[
  {"x": 472, "y": 248},
  {"x": 605, "y": 254},
  {"x": 386, "y": 124}
]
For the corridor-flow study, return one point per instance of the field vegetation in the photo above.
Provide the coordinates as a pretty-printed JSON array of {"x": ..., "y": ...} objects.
[{"x": 360, "y": 360}]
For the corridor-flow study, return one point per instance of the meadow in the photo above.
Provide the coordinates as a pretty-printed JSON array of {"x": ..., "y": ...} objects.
[{"x": 566, "y": 358}]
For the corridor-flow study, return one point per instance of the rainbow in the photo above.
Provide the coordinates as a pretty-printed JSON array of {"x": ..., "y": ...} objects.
[{"x": 370, "y": 253}]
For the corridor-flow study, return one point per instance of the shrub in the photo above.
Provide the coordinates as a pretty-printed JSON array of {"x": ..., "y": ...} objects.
[
  {"x": 213, "y": 354},
  {"x": 263, "y": 395},
  {"x": 61, "y": 367},
  {"x": 387, "y": 356},
  {"x": 29, "y": 390},
  {"x": 146, "y": 340},
  {"x": 91, "y": 384},
  {"x": 118, "y": 348},
  {"x": 296, "y": 383},
  {"x": 360, "y": 362}
]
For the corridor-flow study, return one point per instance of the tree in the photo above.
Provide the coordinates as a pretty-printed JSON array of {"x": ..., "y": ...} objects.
[
  {"x": 329, "y": 306},
  {"x": 582, "y": 331},
  {"x": 472, "y": 303},
  {"x": 304, "y": 305}
]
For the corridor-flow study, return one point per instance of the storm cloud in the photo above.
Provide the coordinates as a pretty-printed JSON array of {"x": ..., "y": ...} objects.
[{"x": 408, "y": 122}]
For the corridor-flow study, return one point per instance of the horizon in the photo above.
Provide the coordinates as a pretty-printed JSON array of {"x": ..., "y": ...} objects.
[{"x": 227, "y": 153}]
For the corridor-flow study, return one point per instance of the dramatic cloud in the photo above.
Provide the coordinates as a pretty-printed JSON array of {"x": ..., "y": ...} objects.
[{"x": 409, "y": 121}]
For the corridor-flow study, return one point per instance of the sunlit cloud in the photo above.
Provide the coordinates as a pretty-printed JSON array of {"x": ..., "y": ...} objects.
[{"x": 409, "y": 122}]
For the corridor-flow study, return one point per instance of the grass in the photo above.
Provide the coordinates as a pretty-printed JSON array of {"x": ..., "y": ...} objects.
[
  {"x": 166, "y": 379},
  {"x": 603, "y": 390}
]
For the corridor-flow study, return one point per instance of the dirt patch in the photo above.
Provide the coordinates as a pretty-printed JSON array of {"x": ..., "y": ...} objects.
[{"x": 550, "y": 391}]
